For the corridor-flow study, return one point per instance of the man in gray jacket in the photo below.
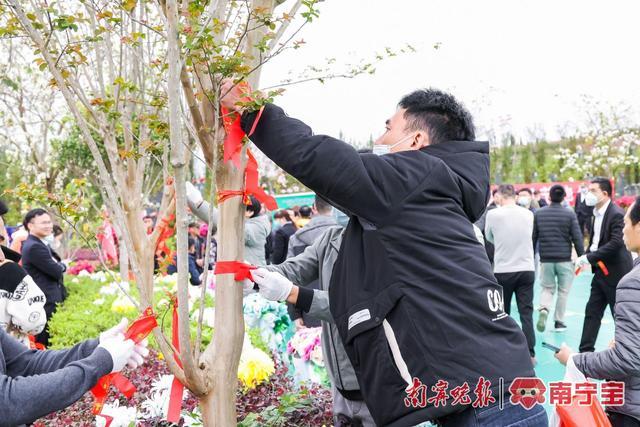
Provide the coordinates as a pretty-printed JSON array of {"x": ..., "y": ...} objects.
[
  {"x": 316, "y": 262},
  {"x": 321, "y": 220}
]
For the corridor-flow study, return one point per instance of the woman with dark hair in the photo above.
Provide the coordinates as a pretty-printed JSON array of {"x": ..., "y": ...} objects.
[
  {"x": 256, "y": 229},
  {"x": 281, "y": 237},
  {"x": 621, "y": 361}
]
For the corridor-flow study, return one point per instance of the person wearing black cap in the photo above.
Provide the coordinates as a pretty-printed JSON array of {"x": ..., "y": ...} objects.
[{"x": 555, "y": 229}]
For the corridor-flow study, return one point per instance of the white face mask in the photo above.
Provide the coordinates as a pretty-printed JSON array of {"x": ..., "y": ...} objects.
[
  {"x": 382, "y": 149},
  {"x": 524, "y": 202},
  {"x": 591, "y": 199}
]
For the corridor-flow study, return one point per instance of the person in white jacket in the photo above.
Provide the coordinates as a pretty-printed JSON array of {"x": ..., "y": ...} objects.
[{"x": 21, "y": 302}]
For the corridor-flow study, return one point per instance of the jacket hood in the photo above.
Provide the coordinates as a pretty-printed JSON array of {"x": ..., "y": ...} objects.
[
  {"x": 309, "y": 232},
  {"x": 469, "y": 162}
]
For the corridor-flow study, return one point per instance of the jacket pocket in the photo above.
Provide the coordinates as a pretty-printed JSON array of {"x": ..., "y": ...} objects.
[
  {"x": 380, "y": 362},
  {"x": 396, "y": 354}
]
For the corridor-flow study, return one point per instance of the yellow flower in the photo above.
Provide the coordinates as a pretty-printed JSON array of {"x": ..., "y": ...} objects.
[
  {"x": 122, "y": 305},
  {"x": 255, "y": 368},
  {"x": 160, "y": 356}
]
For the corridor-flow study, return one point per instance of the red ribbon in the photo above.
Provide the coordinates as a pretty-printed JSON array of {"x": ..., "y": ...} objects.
[
  {"x": 240, "y": 270},
  {"x": 252, "y": 184},
  {"x": 136, "y": 332},
  {"x": 600, "y": 264},
  {"x": 177, "y": 389},
  {"x": 603, "y": 267},
  {"x": 232, "y": 150},
  {"x": 223, "y": 195},
  {"x": 33, "y": 345}
]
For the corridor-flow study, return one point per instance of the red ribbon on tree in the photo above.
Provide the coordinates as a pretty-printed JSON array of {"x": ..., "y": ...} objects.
[
  {"x": 177, "y": 388},
  {"x": 136, "y": 332},
  {"x": 240, "y": 270},
  {"x": 232, "y": 150}
]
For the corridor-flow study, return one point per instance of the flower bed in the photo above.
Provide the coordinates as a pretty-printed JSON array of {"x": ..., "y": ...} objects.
[{"x": 271, "y": 390}]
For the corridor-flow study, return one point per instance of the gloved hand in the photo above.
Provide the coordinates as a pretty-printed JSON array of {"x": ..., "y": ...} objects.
[
  {"x": 120, "y": 350},
  {"x": 582, "y": 261},
  {"x": 120, "y": 328},
  {"x": 140, "y": 351},
  {"x": 273, "y": 286},
  {"x": 193, "y": 195},
  {"x": 247, "y": 288}
]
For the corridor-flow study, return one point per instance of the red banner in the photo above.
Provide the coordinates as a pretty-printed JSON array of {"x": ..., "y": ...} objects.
[{"x": 572, "y": 189}]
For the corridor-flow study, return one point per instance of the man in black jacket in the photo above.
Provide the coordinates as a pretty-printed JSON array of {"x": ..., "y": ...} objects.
[
  {"x": 412, "y": 292},
  {"x": 43, "y": 264},
  {"x": 608, "y": 257},
  {"x": 555, "y": 228}
]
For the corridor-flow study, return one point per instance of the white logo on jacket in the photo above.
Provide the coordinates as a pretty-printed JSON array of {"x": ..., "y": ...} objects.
[{"x": 496, "y": 303}]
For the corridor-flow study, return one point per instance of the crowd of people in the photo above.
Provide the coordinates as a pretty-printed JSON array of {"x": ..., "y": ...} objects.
[{"x": 405, "y": 261}]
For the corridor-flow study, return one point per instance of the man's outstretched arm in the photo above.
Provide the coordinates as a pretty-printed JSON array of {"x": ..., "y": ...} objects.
[
  {"x": 367, "y": 185},
  {"x": 28, "y": 392}
]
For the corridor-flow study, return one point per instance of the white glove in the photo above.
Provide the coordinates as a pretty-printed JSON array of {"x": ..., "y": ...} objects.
[
  {"x": 582, "y": 261},
  {"x": 140, "y": 351},
  {"x": 247, "y": 288},
  {"x": 119, "y": 329},
  {"x": 193, "y": 195},
  {"x": 120, "y": 350},
  {"x": 273, "y": 286}
]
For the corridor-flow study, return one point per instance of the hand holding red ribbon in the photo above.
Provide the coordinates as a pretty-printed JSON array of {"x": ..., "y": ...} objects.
[{"x": 136, "y": 332}]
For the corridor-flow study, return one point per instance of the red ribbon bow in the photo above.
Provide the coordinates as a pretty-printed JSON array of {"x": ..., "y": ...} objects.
[
  {"x": 232, "y": 150},
  {"x": 136, "y": 332}
]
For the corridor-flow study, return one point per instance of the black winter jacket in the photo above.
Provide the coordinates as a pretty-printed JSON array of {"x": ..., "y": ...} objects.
[
  {"x": 555, "y": 228},
  {"x": 412, "y": 292},
  {"x": 281, "y": 242}
]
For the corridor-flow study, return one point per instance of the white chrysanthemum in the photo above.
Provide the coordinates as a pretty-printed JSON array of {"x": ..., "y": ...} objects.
[{"x": 123, "y": 416}]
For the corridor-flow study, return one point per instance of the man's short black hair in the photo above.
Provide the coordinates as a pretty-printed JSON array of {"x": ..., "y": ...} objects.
[
  {"x": 440, "y": 114},
  {"x": 192, "y": 225},
  {"x": 31, "y": 215},
  {"x": 507, "y": 190},
  {"x": 57, "y": 230},
  {"x": 604, "y": 184},
  {"x": 305, "y": 211},
  {"x": 322, "y": 205},
  {"x": 557, "y": 193},
  {"x": 526, "y": 190}
]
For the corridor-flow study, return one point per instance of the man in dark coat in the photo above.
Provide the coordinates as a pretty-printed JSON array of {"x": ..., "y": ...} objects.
[
  {"x": 43, "y": 264},
  {"x": 607, "y": 255},
  {"x": 556, "y": 233},
  {"x": 412, "y": 292}
]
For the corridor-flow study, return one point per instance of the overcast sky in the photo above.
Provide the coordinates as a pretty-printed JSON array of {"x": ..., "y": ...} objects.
[{"x": 518, "y": 65}]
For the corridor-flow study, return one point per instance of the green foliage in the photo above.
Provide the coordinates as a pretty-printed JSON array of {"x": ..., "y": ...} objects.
[
  {"x": 277, "y": 415},
  {"x": 256, "y": 339},
  {"x": 78, "y": 318}
]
